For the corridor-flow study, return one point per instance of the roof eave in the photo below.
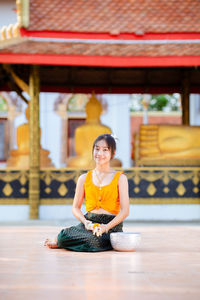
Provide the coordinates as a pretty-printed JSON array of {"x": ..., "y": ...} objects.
[
  {"x": 108, "y": 36},
  {"x": 100, "y": 61}
]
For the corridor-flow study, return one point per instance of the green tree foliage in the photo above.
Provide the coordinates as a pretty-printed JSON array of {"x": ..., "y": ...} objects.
[
  {"x": 164, "y": 102},
  {"x": 158, "y": 103}
]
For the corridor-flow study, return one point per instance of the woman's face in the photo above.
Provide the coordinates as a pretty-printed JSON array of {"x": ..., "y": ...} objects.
[{"x": 101, "y": 153}]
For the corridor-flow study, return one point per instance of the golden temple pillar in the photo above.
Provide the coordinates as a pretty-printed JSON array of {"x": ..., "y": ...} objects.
[
  {"x": 34, "y": 171},
  {"x": 185, "y": 99}
]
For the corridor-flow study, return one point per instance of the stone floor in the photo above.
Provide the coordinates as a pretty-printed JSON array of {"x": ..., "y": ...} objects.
[{"x": 166, "y": 266}]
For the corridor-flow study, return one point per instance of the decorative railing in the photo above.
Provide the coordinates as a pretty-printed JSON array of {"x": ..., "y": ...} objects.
[{"x": 147, "y": 185}]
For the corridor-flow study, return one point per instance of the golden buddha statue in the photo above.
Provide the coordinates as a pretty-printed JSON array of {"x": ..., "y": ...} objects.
[
  {"x": 86, "y": 134},
  {"x": 171, "y": 142},
  {"x": 19, "y": 158}
]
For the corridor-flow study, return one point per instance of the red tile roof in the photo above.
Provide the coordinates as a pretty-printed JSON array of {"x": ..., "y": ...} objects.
[
  {"x": 95, "y": 49},
  {"x": 115, "y": 16},
  {"x": 111, "y": 16}
]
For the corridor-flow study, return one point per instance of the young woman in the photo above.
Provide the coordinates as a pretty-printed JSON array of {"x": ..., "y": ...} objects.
[{"x": 107, "y": 203}]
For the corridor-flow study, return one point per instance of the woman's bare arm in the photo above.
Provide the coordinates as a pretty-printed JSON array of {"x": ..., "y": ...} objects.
[{"x": 78, "y": 199}]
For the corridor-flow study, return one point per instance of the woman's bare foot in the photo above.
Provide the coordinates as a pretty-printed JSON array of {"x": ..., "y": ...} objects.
[{"x": 50, "y": 244}]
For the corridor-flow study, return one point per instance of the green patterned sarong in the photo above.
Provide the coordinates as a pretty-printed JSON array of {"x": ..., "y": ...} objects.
[{"x": 77, "y": 238}]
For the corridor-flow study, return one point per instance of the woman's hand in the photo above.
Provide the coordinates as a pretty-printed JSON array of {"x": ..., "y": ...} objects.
[
  {"x": 88, "y": 225},
  {"x": 99, "y": 229}
]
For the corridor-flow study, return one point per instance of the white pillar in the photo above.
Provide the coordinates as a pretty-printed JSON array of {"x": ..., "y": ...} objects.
[
  {"x": 12, "y": 114},
  {"x": 62, "y": 113},
  {"x": 19, "y": 120},
  {"x": 195, "y": 109},
  {"x": 117, "y": 118},
  {"x": 50, "y": 124}
]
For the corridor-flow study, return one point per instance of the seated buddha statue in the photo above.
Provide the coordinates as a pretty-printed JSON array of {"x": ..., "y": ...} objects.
[
  {"x": 169, "y": 142},
  {"x": 19, "y": 158},
  {"x": 86, "y": 134}
]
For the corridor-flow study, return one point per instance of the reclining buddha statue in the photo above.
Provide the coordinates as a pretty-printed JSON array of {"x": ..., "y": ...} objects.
[
  {"x": 173, "y": 143},
  {"x": 86, "y": 134},
  {"x": 19, "y": 158}
]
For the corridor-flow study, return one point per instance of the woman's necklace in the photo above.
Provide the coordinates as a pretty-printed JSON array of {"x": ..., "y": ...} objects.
[{"x": 100, "y": 179}]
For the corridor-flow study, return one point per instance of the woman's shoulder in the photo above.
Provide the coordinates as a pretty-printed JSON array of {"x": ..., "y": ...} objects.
[
  {"x": 119, "y": 173},
  {"x": 119, "y": 177},
  {"x": 122, "y": 177},
  {"x": 83, "y": 177}
]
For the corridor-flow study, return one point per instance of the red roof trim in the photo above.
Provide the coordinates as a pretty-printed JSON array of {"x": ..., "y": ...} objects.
[
  {"x": 108, "y": 36},
  {"x": 100, "y": 61}
]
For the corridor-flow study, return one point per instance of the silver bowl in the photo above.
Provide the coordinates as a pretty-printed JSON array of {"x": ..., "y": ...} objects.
[{"x": 125, "y": 241}]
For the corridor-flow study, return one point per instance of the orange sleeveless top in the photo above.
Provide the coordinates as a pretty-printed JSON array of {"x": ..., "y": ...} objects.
[{"x": 106, "y": 197}]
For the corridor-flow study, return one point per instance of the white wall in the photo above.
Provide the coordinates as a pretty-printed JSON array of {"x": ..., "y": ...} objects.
[
  {"x": 118, "y": 119},
  {"x": 174, "y": 212},
  {"x": 14, "y": 213},
  {"x": 7, "y": 13}
]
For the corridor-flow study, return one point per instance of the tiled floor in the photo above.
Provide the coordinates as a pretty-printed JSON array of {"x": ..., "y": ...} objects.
[{"x": 167, "y": 266}]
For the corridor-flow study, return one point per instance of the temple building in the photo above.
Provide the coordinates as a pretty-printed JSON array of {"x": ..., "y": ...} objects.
[{"x": 74, "y": 69}]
